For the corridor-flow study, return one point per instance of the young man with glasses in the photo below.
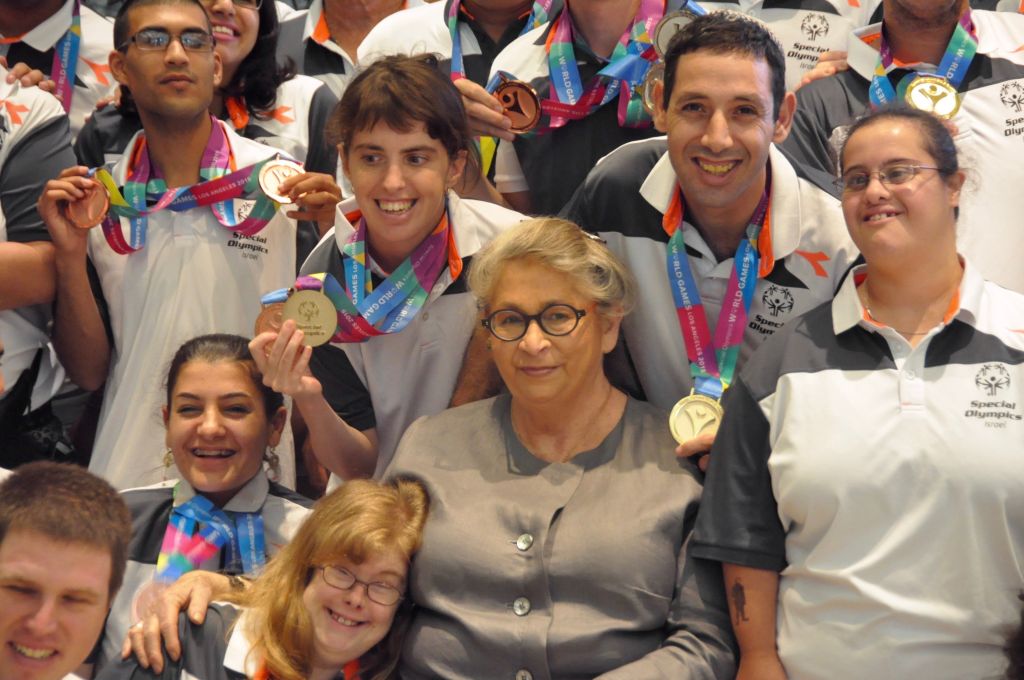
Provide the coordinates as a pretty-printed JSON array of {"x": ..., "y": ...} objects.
[
  {"x": 130, "y": 292},
  {"x": 69, "y": 43},
  {"x": 686, "y": 212}
]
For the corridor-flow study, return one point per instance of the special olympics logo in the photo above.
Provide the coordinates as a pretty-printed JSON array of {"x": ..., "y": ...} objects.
[
  {"x": 777, "y": 299},
  {"x": 1012, "y": 94},
  {"x": 992, "y": 378},
  {"x": 308, "y": 311},
  {"x": 814, "y": 26}
]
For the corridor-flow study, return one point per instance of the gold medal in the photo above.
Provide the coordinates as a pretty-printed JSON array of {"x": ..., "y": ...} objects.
[
  {"x": 655, "y": 75},
  {"x": 270, "y": 319},
  {"x": 693, "y": 415},
  {"x": 313, "y": 314},
  {"x": 670, "y": 24},
  {"x": 273, "y": 174},
  {"x": 520, "y": 103},
  {"x": 90, "y": 210},
  {"x": 933, "y": 95}
]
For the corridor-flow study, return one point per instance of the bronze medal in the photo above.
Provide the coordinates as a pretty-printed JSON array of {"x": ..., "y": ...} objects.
[
  {"x": 670, "y": 24},
  {"x": 271, "y": 318},
  {"x": 693, "y": 415},
  {"x": 521, "y": 105},
  {"x": 273, "y": 174},
  {"x": 313, "y": 313},
  {"x": 933, "y": 95},
  {"x": 147, "y": 599},
  {"x": 89, "y": 211},
  {"x": 655, "y": 75}
]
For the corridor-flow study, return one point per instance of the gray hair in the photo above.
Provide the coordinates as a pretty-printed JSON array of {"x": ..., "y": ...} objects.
[{"x": 562, "y": 246}]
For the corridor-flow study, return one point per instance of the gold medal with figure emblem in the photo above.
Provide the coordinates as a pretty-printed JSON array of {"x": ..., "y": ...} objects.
[
  {"x": 313, "y": 313},
  {"x": 693, "y": 415}
]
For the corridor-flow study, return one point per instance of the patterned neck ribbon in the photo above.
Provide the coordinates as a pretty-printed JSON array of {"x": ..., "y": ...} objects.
[
  {"x": 365, "y": 311},
  {"x": 65, "y": 57},
  {"x": 960, "y": 51},
  {"x": 145, "y": 193},
  {"x": 198, "y": 530},
  {"x": 622, "y": 76},
  {"x": 713, "y": 363}
]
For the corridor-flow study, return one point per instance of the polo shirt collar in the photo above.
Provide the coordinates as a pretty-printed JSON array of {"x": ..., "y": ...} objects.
[
  {"x": 45, "y": 35},
  {"x": 313, "y": 17},
  {"x": 661, "y": 184},
  {"x": 467, "y": 240},
  {"x": 847, "y": 310},
  {"x": 250, "y": 498}
]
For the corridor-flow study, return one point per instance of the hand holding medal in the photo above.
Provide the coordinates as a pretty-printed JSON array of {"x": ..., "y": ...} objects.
[
  {"x": 70, "y": 205},
  {"x": 282, "y": 356},
  {"x": 314, "y": 195}
]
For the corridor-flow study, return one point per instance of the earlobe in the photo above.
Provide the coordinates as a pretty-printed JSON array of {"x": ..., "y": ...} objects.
[
  {"x": 660, "y": 116},
  {"x": 610, "y": 325},
  {"x": 785, "y": 119},
  {"x": 116, "y": 63},
  {"x": 218, "y": 70},
  {"x": 456, "y": 168},
  {"x": 277, "y": 426}
]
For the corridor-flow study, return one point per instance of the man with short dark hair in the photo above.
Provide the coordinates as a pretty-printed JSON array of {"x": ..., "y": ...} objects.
[
  {"x": 63, "y": 539},
  {"x": 727, "y": 238},
  {"x": 169, "y": 275}
]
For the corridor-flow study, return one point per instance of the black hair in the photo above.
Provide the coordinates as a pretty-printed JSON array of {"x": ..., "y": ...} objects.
[
  {"x": 218, "y": 347},
  {"x": 727, "y": 32},
  {"x": 938, "y": 142}
]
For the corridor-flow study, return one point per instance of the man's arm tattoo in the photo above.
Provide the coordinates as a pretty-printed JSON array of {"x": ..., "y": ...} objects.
[{"x": 739, "y": 600}]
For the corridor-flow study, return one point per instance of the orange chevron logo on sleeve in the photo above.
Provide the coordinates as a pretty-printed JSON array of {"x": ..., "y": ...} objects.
[
  {"x": 13, "y": 110},
  {"x": 99, "y": 70},
  {"x": 280, "y": 114},
  {"x": 815, "y": 259}
]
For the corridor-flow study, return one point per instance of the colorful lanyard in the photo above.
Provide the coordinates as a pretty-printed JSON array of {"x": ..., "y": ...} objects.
[
  {"x": 144, "y": 195},
  {"x": 350, "y": 672},
  {"x": 365, "y": 311},
  {"x": 713, "y": 364},
  {"x": 65, "y": 57},
  {"x": 960, "y": 51},
  {"x": 184, "y": 549},
  {"x": 629, "y": 63},
  {"x": 538, "y": 16}
]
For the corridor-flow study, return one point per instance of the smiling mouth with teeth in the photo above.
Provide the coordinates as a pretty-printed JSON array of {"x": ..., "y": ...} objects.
[
  {"x": 33, "y": 653},
  {"x": 878, "y": 217},
  {"x": 395, "y": 207},
  {"x": 722, "y": 168},
  {"x": 342, "y": 620},
  {"x": 223, "y": 453}
]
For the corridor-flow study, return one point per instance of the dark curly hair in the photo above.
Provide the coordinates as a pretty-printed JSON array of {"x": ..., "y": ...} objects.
[{"x": 258, "y": 76}]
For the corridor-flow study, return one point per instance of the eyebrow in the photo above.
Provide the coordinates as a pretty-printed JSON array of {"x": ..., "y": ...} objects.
[
  {"x": 230, "y": 395},
  {"x": 81, "y": 593},
  {"x": 890, "y": 161},
  {"x": 376, "y": 147}
]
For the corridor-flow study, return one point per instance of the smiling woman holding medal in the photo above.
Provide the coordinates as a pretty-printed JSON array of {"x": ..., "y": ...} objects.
[
  {"x": 560, "y": 513},
  {"x": 387, "y": 287},
  {"x": 865, "y": 488}
]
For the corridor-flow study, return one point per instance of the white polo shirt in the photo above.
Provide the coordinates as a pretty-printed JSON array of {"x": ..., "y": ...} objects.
[
  {"x": 990, "y": 137},
  {"x": 391, "y": 380},
  {"x": 35, "y": 146},
  {"x": 93, "y": 79},
  {"x": 625, "y": 198},
  {"x": 193, "y": 277},
  {"x": 885, "y": 484}
]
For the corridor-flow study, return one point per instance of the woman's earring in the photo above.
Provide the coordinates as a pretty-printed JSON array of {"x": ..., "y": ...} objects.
[
  {"x": 168, "y": 458},
  {"x": 273, "y": 463}
]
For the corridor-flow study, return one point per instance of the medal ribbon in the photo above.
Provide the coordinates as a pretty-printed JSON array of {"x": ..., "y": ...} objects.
[
  {"x": 713, "y": 363},
  {"x": 629, "y": 63},
  {"x": 198, "y": 530},
  {"x": 960, "y": 51},
  {"x": 365, "y": 311},
  {"x": 144, "y": 195},
  {"x": 65, "y": 57}
]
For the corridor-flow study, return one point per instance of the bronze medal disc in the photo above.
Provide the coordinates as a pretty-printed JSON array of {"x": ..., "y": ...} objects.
[
  {"x": 521, "y": 105},
  {"x": 693, "y": 415},
  {"x": 933, "y": 95},
  {"x": 655, "y": 75},
  {"x": 273, "y": 174},
  {"x": 89, "y": 211},
  {"x": 313, "y": 314},
  {"x": 670, "y": 24},
  {"x": 271, "y": 318}
]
